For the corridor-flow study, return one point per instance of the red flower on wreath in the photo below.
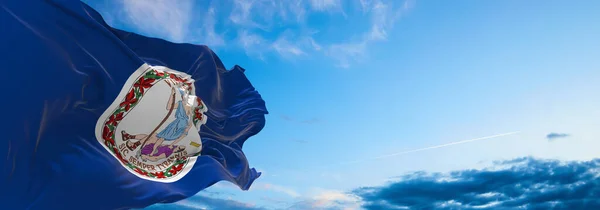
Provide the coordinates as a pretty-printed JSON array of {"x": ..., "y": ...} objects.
[
  {"x": 160, "y": 175},
  {"x": 115, "y": 119},
  {"x": 130, "y": 99},
  {"x": 159, "y": 73},
  {"x": 197, "y": 114},
  {"x": 143, "y": 83},
  {"x": 175, "y": 169},
  {"x": 140, "y": 171},
  {"x": 176, "y": 78},
  {"x": 107, "y": 135}
]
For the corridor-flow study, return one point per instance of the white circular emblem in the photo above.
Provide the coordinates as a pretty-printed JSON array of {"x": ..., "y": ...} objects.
[{"x": 152, "y": 127}]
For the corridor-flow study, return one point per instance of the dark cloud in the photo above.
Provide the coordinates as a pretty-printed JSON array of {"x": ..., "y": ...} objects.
[
  {"x": 553, "y": 136},
  {"x": 527, "y": 183}
]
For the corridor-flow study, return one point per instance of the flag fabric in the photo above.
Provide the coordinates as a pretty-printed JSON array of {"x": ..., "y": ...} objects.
[{"x": 99, "y": 118}]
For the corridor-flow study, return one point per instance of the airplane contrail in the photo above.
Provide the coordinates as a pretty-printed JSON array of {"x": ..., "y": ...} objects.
[{"x": 432, "y": 147}]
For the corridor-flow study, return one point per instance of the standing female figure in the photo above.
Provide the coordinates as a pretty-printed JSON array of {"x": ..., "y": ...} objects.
[{"x": 153, "y": 148}]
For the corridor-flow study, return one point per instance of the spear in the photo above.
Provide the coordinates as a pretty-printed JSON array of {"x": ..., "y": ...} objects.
[{"x": 162, "y": 122}]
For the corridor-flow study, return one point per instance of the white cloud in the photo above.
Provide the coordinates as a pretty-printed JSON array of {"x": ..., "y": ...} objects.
[
  {"x": 290, "y": 45},
  {"x": 286, "y": 49},
  {"x": 323, "y": 5},
  {"x": 253, "y": 44},
  {"x": 347, "y": 53},
  {"x": 365, "y": 5},
  {"x": 169, "y": 19},
  {"x": 172, "y": 20},
  {"x": 381, "y": 21},
  {"x": 329, "y": 199},
  {"x": 267, "y": 27},
  {"x": 329, "y": 196},
  {"x": 256, "y": 14},
  {"x": 296, "y": 9},
  {"x": 210, "y": 36},
  {"x": 275, "y": 188},
  {"x": 257, "y": 17},
  {"x": 241, "y": 13},
  {"x": 192, "y": 205},
  {"x": 383, "y": 15},
  {"x": 314, "y": 44}
]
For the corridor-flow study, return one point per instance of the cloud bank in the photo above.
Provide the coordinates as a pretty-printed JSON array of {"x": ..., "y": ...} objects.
[{"x": 524, "y": 183}]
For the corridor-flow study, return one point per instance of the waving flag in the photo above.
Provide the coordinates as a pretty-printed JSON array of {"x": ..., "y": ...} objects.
[{"x": 99, "y": 118}]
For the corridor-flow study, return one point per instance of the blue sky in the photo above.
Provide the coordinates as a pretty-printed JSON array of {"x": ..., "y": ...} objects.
[{"x": 353, "y": 80}]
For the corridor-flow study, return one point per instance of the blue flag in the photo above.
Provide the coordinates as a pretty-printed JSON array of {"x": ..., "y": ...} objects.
[{"x": 99, "y": 118}]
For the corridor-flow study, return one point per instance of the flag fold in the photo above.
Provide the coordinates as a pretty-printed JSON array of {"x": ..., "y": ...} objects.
[{"x": 99, "y": 118}]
